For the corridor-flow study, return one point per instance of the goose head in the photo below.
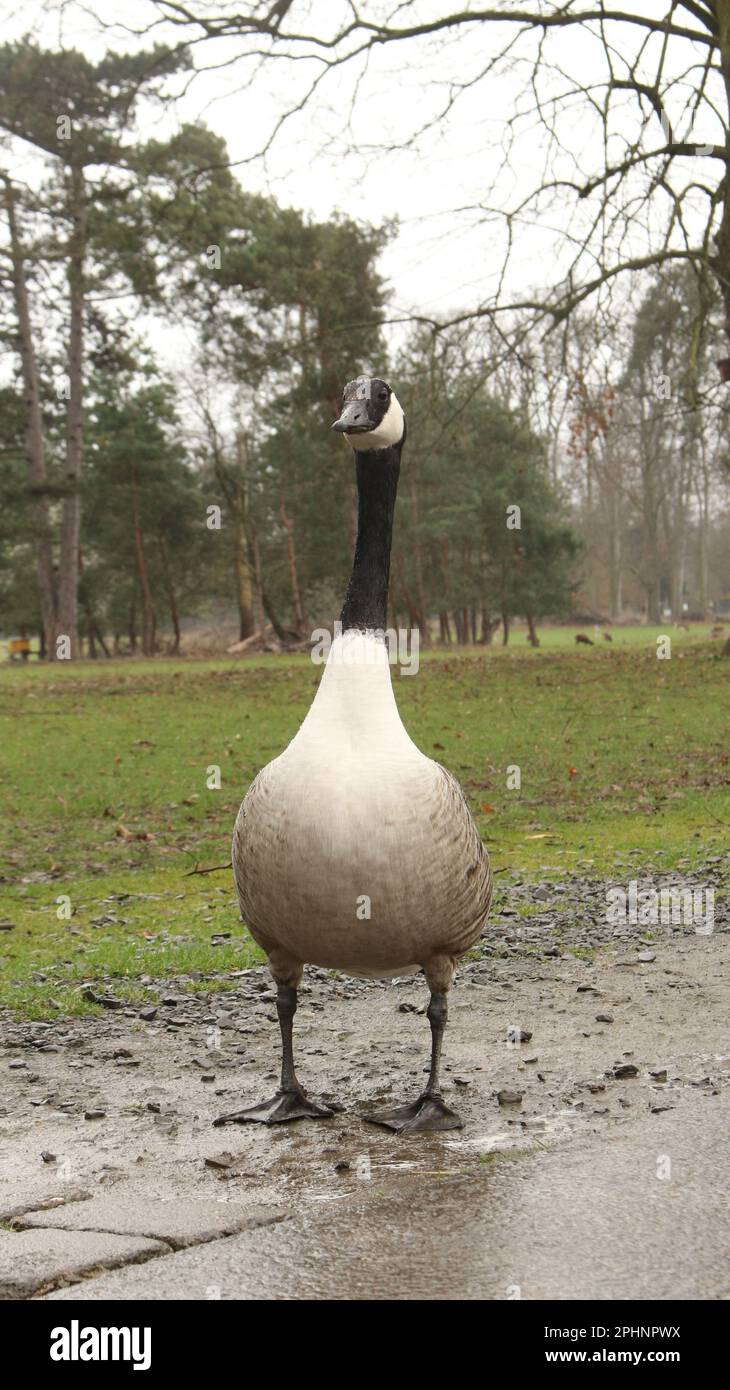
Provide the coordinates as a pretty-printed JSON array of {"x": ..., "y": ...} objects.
[{"x": 372, "y": 416}]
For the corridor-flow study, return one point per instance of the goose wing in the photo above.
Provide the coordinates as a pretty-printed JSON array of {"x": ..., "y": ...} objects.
[{"x": 463, "y": 860}]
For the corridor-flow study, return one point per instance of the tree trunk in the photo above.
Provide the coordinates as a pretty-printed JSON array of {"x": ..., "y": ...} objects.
[
  {"x": 505, "y": 629},
  {"x": 244, "y": 579},
  {"x": 174, "y": 619},
  {"x": 702, "y": 561},
  {"x": 100, "y": 639},
  {"x": 445, "y": 629},
  {"x": 265, "y": 601},
  {"x": 71, "y": 516},
  {"x": 653, "y": 602},
  {"x": 133, "y": 626},
  {"x": 271, "y": 615},
  {"x": 235, "y": 490},
  {"x": 171, "y": 598},
  {"x": 417, "y": 554},
  {"x": 292, "y": 561},
  {"x": 35, "y": 448},
  {"x": 674, "y": 530},
  {"x": 532, "y": 636},
  {"x": 614, "y": 554},
  {"x": 244, "y": 586},
  {"x": 487, "y": 627},
  {"x": 149, "y": 617},
  {"x": 702, "y": 569},
  {"x": 414, "y": 617},
  {"x": 651, "y": 579}
]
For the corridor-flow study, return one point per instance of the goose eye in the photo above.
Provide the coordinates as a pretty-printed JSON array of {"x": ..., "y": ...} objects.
[{"x": 382, "y": 395}]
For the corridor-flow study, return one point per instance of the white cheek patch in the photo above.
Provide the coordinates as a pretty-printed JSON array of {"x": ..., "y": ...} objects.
[{"x": 389, "y": 431}]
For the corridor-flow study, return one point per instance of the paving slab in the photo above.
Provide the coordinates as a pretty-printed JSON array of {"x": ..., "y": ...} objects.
[
  {"x": 644, "y": 1215},
  {"x": 33, "y": 1260},
  {"x": 179, "y": 1223},
  {"x": 22, "y": 1200}
]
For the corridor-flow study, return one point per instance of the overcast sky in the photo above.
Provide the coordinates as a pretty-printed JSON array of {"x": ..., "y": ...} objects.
[{"x": 443, "y": 259}]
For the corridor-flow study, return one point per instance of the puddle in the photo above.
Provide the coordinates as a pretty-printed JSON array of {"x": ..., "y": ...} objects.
[
  {"x": 327, "y": 1196},
  {"x": 537, "y": 1128}
]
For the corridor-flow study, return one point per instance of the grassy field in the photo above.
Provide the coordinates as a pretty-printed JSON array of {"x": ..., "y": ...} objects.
[{"x": 624, "y": 762}]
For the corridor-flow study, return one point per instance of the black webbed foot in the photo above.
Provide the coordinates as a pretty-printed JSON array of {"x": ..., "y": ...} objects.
[
  {"x": 283, "y": 1107},
  {"x": 428, "y": 1114}
]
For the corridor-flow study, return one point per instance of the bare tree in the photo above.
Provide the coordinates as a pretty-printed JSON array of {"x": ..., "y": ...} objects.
[{"x": 627, "y": 113}]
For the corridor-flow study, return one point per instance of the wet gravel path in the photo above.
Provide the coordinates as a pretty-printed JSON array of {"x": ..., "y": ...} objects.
[{"x": 566, "y": 1031}]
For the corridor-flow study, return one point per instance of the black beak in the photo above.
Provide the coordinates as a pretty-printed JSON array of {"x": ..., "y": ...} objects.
[{"x": 354, "y": 419}]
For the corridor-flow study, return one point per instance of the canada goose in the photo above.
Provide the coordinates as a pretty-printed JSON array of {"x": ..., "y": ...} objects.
[{"x": 352, "y": 849}]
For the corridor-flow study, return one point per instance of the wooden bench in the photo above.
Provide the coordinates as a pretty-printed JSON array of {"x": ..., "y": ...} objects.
[{"x": 19, "y": 648}]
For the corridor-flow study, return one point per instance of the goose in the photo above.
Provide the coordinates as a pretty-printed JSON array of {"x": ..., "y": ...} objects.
[{"x": 352, "y": 850}]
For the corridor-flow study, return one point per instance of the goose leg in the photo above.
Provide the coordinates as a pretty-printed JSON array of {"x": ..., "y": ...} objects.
[
  {"x": 290, "y": 1102},
  {"x": 430, "y": 1112}
]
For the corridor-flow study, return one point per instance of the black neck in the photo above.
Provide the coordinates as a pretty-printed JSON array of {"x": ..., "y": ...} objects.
[{"x": 366, "y": 600}]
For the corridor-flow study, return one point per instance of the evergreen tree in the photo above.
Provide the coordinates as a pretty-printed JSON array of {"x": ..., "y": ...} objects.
[{"x": 144, "y": 534}]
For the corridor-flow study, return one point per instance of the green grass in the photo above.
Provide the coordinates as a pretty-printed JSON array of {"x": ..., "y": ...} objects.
[
  {"x": 103, "y": 768},
  {"x": 563, "y": 638}
]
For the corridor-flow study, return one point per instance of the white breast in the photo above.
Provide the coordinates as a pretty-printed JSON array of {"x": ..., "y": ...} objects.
[{"x": 352, "y": 817}]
